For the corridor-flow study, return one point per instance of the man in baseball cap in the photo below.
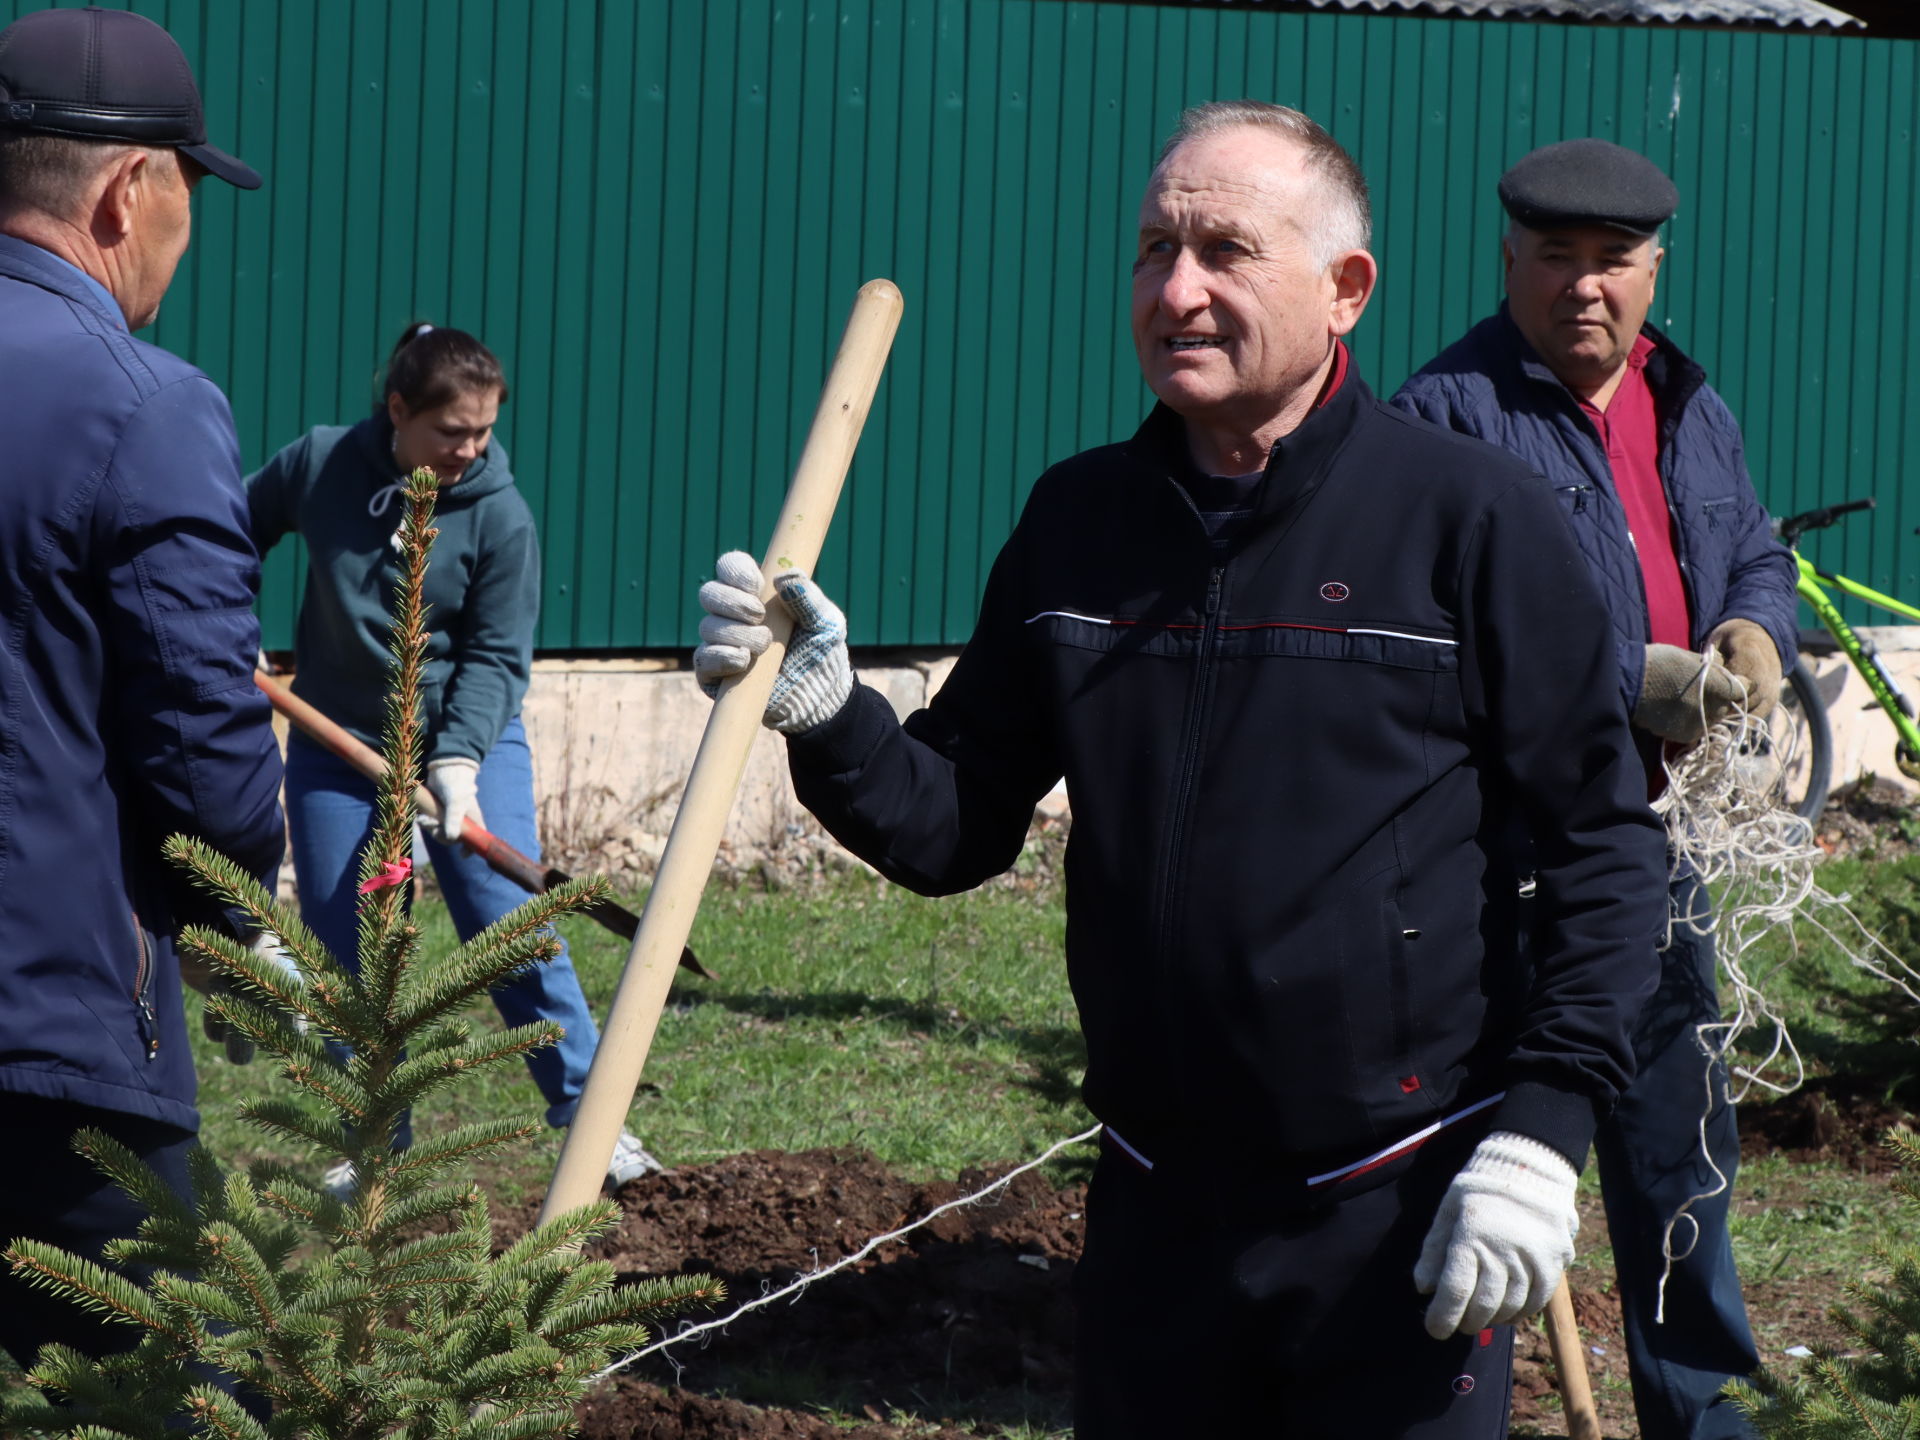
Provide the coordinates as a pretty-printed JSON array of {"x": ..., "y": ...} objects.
[
  {"x": 110, "y": 75},
  {"x": 127, "y": 636},
  {"x": 1646, "y": 461}
]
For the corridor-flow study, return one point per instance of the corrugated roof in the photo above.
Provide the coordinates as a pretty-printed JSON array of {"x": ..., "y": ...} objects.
[{"x": 1810, "y": 13}]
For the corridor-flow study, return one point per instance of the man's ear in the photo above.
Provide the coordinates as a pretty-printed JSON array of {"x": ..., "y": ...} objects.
[
  {"x": 1354, "y": 275},
  {"x": 124, "y": 194}
]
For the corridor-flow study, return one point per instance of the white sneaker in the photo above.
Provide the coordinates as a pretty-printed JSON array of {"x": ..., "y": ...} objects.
[
  {"x": 339, "y": 1181},
  {"x": 630, "y": 1162}
]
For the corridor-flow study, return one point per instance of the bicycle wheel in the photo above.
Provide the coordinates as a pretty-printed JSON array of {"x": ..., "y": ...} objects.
[{"x": 1802, "y": 744}]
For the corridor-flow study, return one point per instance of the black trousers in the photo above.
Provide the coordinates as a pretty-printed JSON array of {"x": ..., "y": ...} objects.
[
  {"x": 1207, "y": 1313},
  {"x": 57, "y": 1197}
]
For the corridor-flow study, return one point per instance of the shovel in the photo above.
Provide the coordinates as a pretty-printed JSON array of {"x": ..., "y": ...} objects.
[{"x": 529, "y": 874}]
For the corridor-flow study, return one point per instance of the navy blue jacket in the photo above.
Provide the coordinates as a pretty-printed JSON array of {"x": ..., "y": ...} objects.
[
  {"x": 1289, "y": 943},
  {"x": 1492, "y": 385},
  {"x": 127, "y": 709}
]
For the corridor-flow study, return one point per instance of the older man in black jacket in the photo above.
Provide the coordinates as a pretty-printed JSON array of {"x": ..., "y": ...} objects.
[{"x": 1296, "y": 656}]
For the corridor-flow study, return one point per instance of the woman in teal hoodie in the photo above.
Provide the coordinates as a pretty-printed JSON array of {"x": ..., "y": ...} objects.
[{"x": 339, "y": 488}]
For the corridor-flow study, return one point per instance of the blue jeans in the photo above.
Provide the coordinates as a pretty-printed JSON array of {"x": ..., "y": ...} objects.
[
  {"x": 1650, "y": 1163},
  {"x": 330, "y": 813}
]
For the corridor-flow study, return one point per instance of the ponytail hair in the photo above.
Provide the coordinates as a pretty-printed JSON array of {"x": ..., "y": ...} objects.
[{"x": 432, "y": 366}]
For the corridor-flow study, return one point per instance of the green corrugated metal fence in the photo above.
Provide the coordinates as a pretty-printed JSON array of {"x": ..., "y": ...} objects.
[{"x": 658, "y": 212}]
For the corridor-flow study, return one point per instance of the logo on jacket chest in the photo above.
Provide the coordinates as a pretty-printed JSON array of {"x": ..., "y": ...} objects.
[{"x": 1335, "y": 591}]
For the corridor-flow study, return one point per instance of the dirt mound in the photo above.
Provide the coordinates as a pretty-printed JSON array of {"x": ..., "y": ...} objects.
[
  {"x": 965, "y": 1327},
  {"x": 1872, "y": 816},
  {"x": 968, "y": 1318},
  {"x": 1835, "y": 1119}
]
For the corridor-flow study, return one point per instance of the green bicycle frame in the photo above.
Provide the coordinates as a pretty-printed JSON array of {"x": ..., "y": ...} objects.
[{"x": 1865, "y": 658}]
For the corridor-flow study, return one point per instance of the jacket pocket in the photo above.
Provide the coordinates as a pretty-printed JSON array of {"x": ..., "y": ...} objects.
[
  {"x": 1378, "y": 986},
  {"x": 1718, "y": 513}
]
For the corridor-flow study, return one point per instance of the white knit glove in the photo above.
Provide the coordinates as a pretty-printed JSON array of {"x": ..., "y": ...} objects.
[
  {"x": 735, "y": 630},
  {"x": 1682, "y": 693},
  {"x": 1502, "y": 1239},
  {"x": 455, "y": 783},
  {"x": 816, "y": 676}
]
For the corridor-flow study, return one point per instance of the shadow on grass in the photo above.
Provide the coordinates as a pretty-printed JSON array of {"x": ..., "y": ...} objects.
[{"x": 1057, "y": 1053}]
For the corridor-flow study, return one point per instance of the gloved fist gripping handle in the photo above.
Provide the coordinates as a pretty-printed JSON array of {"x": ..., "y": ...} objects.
[
  {"x": 816, "y": 676},
  {"x": 455, "y": 783},
  {"x": 1502, "y": 1239},
  {"x": 734, "y": 632}
]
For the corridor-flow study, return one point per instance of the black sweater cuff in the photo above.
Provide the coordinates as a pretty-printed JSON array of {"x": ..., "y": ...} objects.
[{"x": 1559, "y": 1119}]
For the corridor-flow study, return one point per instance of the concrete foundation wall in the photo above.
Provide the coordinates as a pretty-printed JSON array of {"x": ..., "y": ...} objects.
[{"x": 613, "y": 741}]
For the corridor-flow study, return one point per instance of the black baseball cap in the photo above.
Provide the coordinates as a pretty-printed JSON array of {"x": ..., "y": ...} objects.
[{"x": 97, "y": 74}]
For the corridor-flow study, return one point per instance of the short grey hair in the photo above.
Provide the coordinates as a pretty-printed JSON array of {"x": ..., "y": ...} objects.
[
  {"x": 1344, "y": 219},
  {"x": 50, "y": 174}
]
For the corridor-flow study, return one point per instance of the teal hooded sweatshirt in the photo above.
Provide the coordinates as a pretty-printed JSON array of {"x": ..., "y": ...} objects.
[{"x": 337, "y": 488}]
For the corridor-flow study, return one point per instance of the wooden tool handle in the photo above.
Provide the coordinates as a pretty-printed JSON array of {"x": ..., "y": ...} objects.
[
  {"x": 525, "y": 872},
  {"x": 721, "y": 760},
  {"x": 1570, "y": 1363}
]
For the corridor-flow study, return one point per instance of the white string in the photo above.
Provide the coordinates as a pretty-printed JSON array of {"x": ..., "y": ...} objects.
[
  {"x": 1727, "y": 822},
  {"x": 768, "y": 1297}
]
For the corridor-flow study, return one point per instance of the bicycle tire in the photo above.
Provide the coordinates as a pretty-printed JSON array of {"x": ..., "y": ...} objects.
[{"x": 1815, "y": 737}]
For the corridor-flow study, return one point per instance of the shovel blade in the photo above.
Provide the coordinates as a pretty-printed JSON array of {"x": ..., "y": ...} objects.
[{"x": 624, "y": 923}]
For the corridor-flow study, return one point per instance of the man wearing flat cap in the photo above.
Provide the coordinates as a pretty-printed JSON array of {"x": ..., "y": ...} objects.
[
  {"x": 127, "y": 636},
  {"x": 1648, "y": 465}
]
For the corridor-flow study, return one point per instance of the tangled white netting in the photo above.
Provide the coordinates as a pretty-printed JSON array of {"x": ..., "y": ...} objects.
[{"x": 1728, "y": 823}]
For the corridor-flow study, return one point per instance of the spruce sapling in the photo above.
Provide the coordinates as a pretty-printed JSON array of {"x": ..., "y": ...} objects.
[{"x": 386, "y": 1315}]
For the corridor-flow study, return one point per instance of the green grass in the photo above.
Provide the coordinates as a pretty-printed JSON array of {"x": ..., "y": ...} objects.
[
  {"x": 1843, "y": 1020},
  {"x": 937, "y": 1034},
  {"x": 941, "y": 1035}
]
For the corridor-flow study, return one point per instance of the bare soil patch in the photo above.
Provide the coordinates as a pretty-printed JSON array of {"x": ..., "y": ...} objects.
[{"x": 967, "y": 1324}]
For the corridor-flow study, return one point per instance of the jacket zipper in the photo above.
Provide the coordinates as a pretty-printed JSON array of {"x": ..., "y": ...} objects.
[
  {"x": 1189, "y": 764},
  {"x": 142, "y": 983}
]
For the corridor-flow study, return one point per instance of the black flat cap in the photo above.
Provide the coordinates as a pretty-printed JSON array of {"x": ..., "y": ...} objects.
[
  {"x": 1588, "y": 182},
  {"x": 98, "y": 74}
]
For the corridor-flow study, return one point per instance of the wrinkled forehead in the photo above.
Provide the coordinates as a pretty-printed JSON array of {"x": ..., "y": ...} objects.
[{"x": 1251, "y": 175}]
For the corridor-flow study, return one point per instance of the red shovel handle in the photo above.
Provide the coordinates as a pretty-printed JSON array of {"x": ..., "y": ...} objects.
[{"x": 501, "y": 856}]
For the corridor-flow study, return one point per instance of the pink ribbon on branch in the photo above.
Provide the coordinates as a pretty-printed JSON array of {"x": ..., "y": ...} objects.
[{"x": 396, "y": 872}]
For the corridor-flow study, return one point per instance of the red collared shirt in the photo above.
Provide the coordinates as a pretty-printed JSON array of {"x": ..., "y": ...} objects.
[{"x": 1631, "y": 433}]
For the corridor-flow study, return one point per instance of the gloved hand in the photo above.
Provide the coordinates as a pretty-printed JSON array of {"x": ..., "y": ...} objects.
[
  {"x": 455, "y": 783},
  {"x": 1682, "y": 693},
  {"x": 816, "y": 676},
  {"x": 240, "y": 1048},
  {"x": 1502, "y": 1239},
  {"x": 1750, "y": 654}
]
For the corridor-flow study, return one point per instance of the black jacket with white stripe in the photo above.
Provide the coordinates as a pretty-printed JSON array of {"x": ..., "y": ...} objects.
[{"x": 1289, "y": 926}]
